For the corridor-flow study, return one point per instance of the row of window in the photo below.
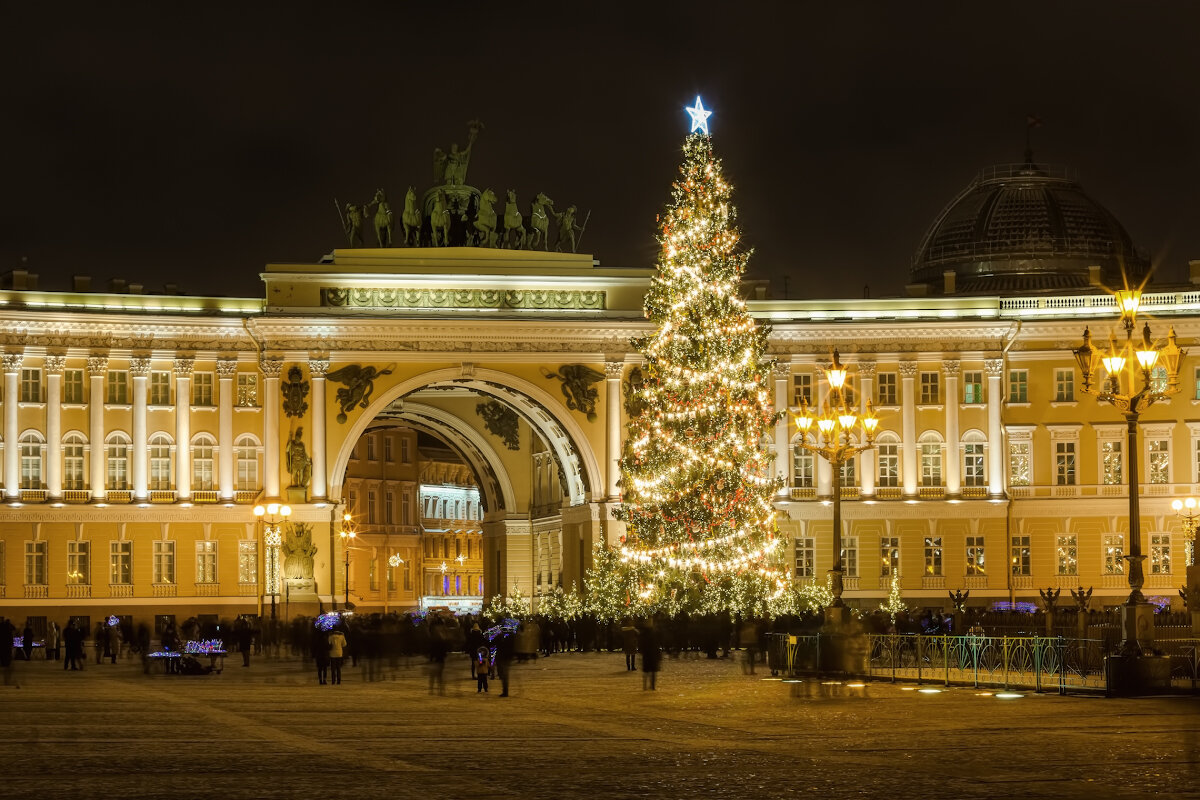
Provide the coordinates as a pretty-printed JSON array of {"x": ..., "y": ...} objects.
[
  {"x": 117, "y": 387},
  {"x": 120, "y": 562},
  {"x": 117, "y": 447},
  {"x": 887, "y": 460},
  {"x": 439, "y": 547},
  {"x": 930, "y": 387},
  {"x": 370, "y": 447},
  {"x": 389, "y": 507},
  {"x": 1111, "y": 462},
  {"x": 1020, "y": 560},
  {"x": 456, "y": 585}
]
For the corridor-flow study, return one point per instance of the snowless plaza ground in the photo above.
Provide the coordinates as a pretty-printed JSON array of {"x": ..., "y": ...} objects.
[{"x": 576, "y": 725}]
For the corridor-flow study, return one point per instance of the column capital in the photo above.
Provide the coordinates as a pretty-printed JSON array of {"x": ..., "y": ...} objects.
[
  {"x": 866, "y": 369},
  {"x": 226, "y": 368},
  {"x": 270, "y": 367},
  {"x": 908, "y": 369},
  {"x": 184, "y": 366},
  {"x": 783, "y": 370},
  {"x": 994, "y": 367},
  {"x": 97, "y": 363},
  {"x": 613, "y": 370},
  {"x": 139, "y": 366},
  {"x": 13, "y": 361},
  {"x": 317, "y": 367},
  {"x": 54, "y": 364},
  {"x": 951, "y": 367}
]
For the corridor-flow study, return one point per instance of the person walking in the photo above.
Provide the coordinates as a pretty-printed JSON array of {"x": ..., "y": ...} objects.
[
  {"x": 629, "y": 643},
  {"x": 8, "y": 632},
  {"x": 245, "y": 638},
  {"x": 482, "y": 665},
  {"x": 504, "y": 657},
  {"x": 319, "y": 647},
  {"x": 748, "y": 639},
  {"x": 53, "y": 641},
  {"x": 337, "y": 655},
  {"x": 648, "y": 645},
  {"x": 27, "y": 640},
  {"x": 112, "y": 647},
  {"x": 73, "y": 642},
  {"x": 99, "y": 640}
]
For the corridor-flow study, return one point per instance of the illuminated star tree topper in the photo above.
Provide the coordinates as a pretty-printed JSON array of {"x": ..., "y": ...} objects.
[{"x": 699, "y": 117}]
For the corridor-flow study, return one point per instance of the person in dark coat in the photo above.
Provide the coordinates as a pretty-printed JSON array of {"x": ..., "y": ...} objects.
[
  {"x": 27, "y": 640},
  {"x": 8, "y": 632},
  {"x": 629, "y": 643},
  {"x": 648, "y": 645},
  {"x": 245, "y": 638},
  {"x": 505, "y": 647},
  {"x": 475, "y": 640},
  {"x": 73, "y": 644},
  {"x": 320, "y": 654}
]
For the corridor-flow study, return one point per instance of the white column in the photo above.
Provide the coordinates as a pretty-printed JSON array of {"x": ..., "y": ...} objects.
[
  {"x": 54, "y": 371},
  {"x": 139, "y": 370},
  {"x": 97, "y": 371},
  {"x": 866, "y": 460},
  {"x": 612, "y": 422},
  {"x": 270, "y": 370},
  {"x": 183, "y": 427},
  {"x": 226, "y": 370},
  {"x": 12, "y": 449},
  {"x": 996, "y": 448},
  {"x": 783, "y": 374},
  {"x": 824, "y": 471},
  {"x": 950, "y": 370},
  {"x": 317, "y": 367},
  {"x": 908, "y": 433}
]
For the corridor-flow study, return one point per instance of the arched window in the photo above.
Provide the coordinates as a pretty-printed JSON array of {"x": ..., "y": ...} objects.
[
  {"x": 74, "y": 446},
  {"x": 116, "y": 454},
  {"x": 32, "y": 446},
  {"x": 246, "y": 452},
  {"x": 931, "y": 459},
  {"x": 973, "y": 458},
  {"x": 202, "y": 462},
  {"x": 160, "y": 462},
  {"x": 887, "y": 460}
]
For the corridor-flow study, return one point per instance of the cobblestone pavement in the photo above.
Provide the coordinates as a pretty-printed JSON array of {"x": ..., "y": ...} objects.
[{"x": 576, "y": 725}]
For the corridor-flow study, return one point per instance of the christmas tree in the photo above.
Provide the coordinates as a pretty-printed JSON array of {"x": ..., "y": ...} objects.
[{"x": 701, "y": 531}]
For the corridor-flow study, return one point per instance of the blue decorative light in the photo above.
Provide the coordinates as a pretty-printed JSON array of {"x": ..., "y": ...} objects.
[
  {"x": 329, "y": 620},
  {"x": 699, "y": 117}
]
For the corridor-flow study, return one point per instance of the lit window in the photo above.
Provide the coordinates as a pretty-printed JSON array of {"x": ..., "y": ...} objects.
[
  {"x": 1159, "y": 468},
  {"x": 889, "y": 554},
  {"x": 31, "y": 461},
  {"x": 247, "y": 562},
  {"x": 973, "y": 473},
  {"x": 1114, "y": 554},
  {"x": 160, "y": 463},
  {"x": 806, "y": 557},
  {"x": 247, "y": 390},
  {"x": 202, "y": 464},
  {"x": 850, "y": 556},
  {"x": 1064, "y": 463},
  {"x": 79, "y": 562},
  {"x": 976, "y": 563},
  {"x": 1113, "y": 462},
  {"x": 246, "y": 453},
  {"x": 1019, "y": 464},
  {"x": 1020, "y": 555},
  {"x": 206, "y": 561},
  {"x": 117, "y": 460},
  {"x": 1066, "y": 558},
  {"x": 1160, "y": 554},
  {"x": 164, "y": 562},
  {"x": 120, "y": 563}
]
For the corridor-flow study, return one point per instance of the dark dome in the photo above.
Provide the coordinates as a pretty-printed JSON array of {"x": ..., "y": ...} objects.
[{"x": 1025, "y": 228}]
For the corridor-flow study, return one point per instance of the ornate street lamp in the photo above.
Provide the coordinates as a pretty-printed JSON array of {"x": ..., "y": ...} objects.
[
  {"x": 1129, "y": 385},
  {"x": 272, "y": 516},
  {"x": 347, "y": 534},
  {"x": 837, "y": 435},
  {"x": 1191, "y": 527}
]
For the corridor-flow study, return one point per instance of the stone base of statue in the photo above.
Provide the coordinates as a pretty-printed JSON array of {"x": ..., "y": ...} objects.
[
  {"x": 1137, "y": 625},
  {"x": 297, "y": 494},
  {"x": 843, "y": 643},
  {"x": 1137, "y": 674},
  {"x": 302, "y": 598}
]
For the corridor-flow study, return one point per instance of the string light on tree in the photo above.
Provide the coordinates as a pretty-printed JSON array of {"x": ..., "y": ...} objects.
[{"x": 701, "y": 528}]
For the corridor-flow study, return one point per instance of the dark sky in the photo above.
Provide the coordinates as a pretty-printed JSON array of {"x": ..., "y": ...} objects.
[{"x": 160, "y": 145}]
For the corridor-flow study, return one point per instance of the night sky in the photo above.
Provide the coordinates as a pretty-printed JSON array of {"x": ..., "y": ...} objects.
[{"x": 144, "y": 143}]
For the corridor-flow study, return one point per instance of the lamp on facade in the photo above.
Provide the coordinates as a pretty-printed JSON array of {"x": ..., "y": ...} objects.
[
  {"x": 272, "y": 516},
  {"x": 837, "y": 434},
  {"x": 1191, "y": 524},
  {"x": 347, "y": 535},
  {"x": 1123, "y": 376}
]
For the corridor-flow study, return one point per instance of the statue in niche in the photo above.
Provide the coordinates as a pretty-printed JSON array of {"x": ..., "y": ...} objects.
[
  {"x": 298, "y": 551},
  {"x": 578, "y": 387},
  {"x": 502, "y": 422},
  {"x": 632, "y": 389},
  {"x": 294, "y": 390},
  {"x": 299, "y": 464},
  {"x": 359, "y": 382}
]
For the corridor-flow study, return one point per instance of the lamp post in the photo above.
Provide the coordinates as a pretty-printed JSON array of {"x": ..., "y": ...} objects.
[
  {"x": 347, "y": 534},
  {"x": 1191, "y": 527},
  {"x": 1129, "y": 386},
  {"x": 838, "y": 434},
  {"x": 272, "y": 516},
  {"x": 394, "y": 561}
]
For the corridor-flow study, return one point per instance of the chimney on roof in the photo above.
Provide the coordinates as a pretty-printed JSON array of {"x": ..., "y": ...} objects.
[
  {"x": 20, "y": 279},
  {"x": 171, "y": 289},
  {"x": 1094, "y": 276},
  {"x": 1194, "y": 272},
  {"x": 948, "y": 282},
  {"x": 81, "y": 283},
  {"x": 116, "y": 286},
  {"x": 135, "y": 288}
]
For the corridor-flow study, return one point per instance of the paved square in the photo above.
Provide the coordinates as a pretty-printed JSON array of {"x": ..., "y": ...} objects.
[{"x": 576, "y": 725}]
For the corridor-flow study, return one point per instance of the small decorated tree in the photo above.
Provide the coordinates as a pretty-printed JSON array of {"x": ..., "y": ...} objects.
[{"x": 895, "y": 599}]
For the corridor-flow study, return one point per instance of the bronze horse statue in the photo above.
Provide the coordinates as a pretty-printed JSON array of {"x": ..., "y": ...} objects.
[
  {"x": 513, "y": 223},
  {"x": 383, "y": 219},
  {"x": 539, "y": 221},
  {"x": 439, "y": 221},
  {"x": 410, "y": 218},
  {"x": 485, "y": 220}
]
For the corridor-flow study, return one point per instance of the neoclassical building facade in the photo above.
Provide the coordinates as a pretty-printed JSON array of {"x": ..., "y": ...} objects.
[{"x": 140, "y": 430}]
